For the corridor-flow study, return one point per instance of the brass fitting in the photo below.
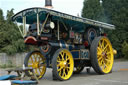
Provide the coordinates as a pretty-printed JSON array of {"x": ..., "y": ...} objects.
[{"x": 114, "y": 52}]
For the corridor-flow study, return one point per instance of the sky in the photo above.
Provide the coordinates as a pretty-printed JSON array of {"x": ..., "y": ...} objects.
[{"x": 73, "y": 7}]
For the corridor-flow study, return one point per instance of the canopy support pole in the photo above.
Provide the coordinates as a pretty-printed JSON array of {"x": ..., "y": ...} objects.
[
  {"x": 24, "y": 28},
  {"x": 58, "y": 29},
  {"x": 20, "y": 30},
  {"x": 44, "y": 22},
  {"x": 38, "y": 29}
]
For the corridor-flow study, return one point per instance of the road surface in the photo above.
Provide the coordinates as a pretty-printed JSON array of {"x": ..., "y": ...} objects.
[{"x": 119, "y": 76}]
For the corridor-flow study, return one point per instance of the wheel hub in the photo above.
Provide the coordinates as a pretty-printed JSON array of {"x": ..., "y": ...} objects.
[
  {"x": 35, "y": 65},
  {"x": 103, "y": 54},
  {"x": 63, "y": 64}
]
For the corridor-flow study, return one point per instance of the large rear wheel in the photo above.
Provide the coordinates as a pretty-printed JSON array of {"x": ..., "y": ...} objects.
[
  {"x": 63, "y": 64},
  {"x": 102, "y": 55},
  {"x": 37, "y": 61}
]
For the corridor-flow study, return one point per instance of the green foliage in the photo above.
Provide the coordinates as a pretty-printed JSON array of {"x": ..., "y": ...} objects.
[
  {"x": 118, "y": 15},
  {"x": 93, "y": 10},
  {"x": 3, "y": 66},
  {"x": 1, "y": 15},
  {"x": 8, "y": 65},
  {"x": 125, "y": 49},
  {"x": 16, "y": 47},
  {"x": 113, "y": 12},
  {"x": 11, "y": 41}
]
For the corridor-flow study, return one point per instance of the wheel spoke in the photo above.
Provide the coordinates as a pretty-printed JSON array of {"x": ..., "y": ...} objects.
[
  {"x": 102, "y": 44},
  {"x": 108, "y": 56},
  {"x": 105, "y": 47},
  {"x": 40, "y": 71},
  {"x": 58, "y": 59},
  {"x": 67, "y": 58},
  {"x": 68, "y": 69},
  {"x": 60, "y": 69},
  {"x": 99, "y": 58},
  {"x": 99, "y": 53},
  {"x": 108, "y": 53},
  {"x": 99, "y": 49},
  {"x": 106, "y": 50},
  {"x": 60, "y": 72},
  {"x": 35, "y": 58},
  {"x": 36, "y": 71},
  {"x": 42, "y": 64},
  {"x": 62, "y": 55},
  {"x": 29, "y": 65},
  {"x": 64, "y": 72},
  {"x": 103, "y": 65},
  {"x": 100, "y": 62},
  {"x": 58, "y": 65},
  {"x": 31, "y": 59},
  {"x": 38, "y": 58},
  {"x": 108, "y": 62}
]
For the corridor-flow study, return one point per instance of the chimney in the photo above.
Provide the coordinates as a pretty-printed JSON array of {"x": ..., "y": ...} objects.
[{"x": 48, "y": 4}]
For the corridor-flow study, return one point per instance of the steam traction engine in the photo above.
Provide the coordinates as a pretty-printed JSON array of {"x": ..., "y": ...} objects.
[{"x": 66, "y": 43}]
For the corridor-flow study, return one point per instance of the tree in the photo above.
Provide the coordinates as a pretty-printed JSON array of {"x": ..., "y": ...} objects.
[
  {"x": 92, "y": 9},
  {"x": 125, "y": 49},
  {"x": 9, "y": 15},
  {"x": 114, "y": 12},
  {"x": 1, "y": 15},
  {"x": 11, "y": 41},
  {"x": 2, "y": 28}
]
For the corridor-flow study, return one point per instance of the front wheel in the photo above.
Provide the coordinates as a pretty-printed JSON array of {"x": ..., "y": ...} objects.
[
  {"x": 102, "y": 55},
  {"x": 62, "y": 64},
  {"x": 37, "y": 61}
]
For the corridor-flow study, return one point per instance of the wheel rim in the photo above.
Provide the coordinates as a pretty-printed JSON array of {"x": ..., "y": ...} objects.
[
  {"x": 65, "y": 64},
  {"x": 38, "y": 62},
  {"x": 105, "y": 55}
]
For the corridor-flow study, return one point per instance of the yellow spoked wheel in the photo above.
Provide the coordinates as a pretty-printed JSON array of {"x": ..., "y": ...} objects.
[
  {"x": 37, "y": 61},
  {"x": 102, "y": 55},
  {"x": 62, "y": 64}
]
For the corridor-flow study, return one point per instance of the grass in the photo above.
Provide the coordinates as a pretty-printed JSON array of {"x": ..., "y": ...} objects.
[{"x": 8, "y": 65}]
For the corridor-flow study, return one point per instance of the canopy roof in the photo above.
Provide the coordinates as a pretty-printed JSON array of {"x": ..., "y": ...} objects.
[{"x": 31, "y": 16}]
